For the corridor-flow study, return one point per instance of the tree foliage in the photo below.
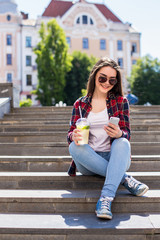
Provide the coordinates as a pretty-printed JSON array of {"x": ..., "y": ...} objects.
[
  {"x": 25, "y": 103},
  {"x": 76, "y": 78},
  {"x": 53, "y": 61},
  {"x": 145, "y": 80}
]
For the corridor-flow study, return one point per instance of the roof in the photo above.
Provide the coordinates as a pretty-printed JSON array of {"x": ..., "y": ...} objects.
[
  {"x": 107, "y": 13},
  {"x": 59, "y": 8}
]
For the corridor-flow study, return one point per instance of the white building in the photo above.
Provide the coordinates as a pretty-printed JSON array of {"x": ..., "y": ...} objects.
[{"x": 90, "y": 28}]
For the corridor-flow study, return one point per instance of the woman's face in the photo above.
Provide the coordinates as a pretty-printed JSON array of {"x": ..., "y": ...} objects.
[{"x": 105, "y": 73}]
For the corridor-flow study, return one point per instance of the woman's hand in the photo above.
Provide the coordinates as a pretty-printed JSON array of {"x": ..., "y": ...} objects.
[
  {"x": 76, "y": 136},
  {"x": 113, "y": 131}
]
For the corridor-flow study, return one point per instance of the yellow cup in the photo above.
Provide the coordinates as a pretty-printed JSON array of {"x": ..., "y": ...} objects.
[{"x": 83, "y": 125}]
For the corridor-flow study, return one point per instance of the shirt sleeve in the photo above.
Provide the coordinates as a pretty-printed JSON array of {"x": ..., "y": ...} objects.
[
  {"x": 124, "y": 119},
  {"x": 75, "y": 116}
]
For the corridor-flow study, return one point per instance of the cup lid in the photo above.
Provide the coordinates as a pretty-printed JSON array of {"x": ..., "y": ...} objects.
[{"x": 82, "y": 121}]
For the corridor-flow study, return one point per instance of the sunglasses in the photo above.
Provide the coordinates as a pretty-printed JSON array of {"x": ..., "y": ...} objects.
[{"x": 112, "y": 81}]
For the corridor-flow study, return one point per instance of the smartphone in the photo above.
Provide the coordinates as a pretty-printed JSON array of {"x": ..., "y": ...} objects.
[{"x": 114, "y": 120}]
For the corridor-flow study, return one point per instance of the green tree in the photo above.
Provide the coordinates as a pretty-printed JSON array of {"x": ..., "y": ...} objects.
[
  {"x": 76, "y": 78},
  {"x": 25, "y": 103},
  {"x": 145, "y": 80},
  {"x": 53, "y": 61}
]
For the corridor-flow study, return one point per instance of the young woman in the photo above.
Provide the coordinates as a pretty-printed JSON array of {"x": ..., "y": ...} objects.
[{"x": 108, "y": 151}]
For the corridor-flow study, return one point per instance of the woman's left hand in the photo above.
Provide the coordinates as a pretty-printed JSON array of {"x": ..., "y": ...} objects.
[{"x": 113, "y": 131}]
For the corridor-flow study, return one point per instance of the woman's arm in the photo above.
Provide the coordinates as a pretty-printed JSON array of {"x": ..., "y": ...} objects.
[
  {"x": 75, "y": 116},
  {"x": 124, "y": 122},
  {"x": 122, "y": 111}
]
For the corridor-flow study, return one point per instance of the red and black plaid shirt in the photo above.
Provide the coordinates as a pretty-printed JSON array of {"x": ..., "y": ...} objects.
[{"x": 117, "y": 106}]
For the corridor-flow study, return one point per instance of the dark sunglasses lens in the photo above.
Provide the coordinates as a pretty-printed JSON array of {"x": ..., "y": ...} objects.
[
  {"x": 113, "y": 81},
  {"x": 102, "y": 79}
]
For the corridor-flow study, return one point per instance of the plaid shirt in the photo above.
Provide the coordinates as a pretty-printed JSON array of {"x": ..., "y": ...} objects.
[{"x": 117, "y": 106}]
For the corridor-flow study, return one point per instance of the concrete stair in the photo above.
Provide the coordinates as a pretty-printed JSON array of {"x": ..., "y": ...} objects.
[
  {"x": 61, "y": 148},
  {"x": 38, "y": 200}
]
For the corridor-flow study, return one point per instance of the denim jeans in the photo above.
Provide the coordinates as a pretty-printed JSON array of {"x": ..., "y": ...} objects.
[{"x": 111, "y": 165}]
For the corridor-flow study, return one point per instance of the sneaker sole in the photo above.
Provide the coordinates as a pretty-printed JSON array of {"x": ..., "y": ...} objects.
[
  {"x": 142, "y": 193},
  {"x": 103, "y": 216}
]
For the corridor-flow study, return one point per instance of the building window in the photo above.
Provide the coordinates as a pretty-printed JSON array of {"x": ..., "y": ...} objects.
[
  {"x": 134, "y": 62},
  {"x": 85, "y": 43},
  {"x": 28, "y": 61},
  {"x": 29, "y": 97},
  {"x": 28, "y": 42},
  {"x": 91, "y": 21},
  {"x": 9, "y": 77},
  {"x": 119, "y": 45},
  {"x": 29, "y": 80},
  {"x": 68, "y": 39},
  {"x": 120, "y": 62},
  {"x": 8, "y": 17},
  {"x": 102, "y": 44},
  {"x": 84, "y": 19},
  {"x": 9, "y": 59},
  {"x": 134, "y": 47},
  {"x": 9, "y": 39},
  {"x": 78, "y": 20}
]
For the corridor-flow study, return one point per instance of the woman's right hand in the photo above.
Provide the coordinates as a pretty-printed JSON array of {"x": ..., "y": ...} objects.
[{"x": 76, "y": 136}]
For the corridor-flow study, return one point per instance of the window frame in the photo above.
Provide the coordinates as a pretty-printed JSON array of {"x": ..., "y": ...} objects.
[
  {"x": 27, "y": 80},
  {"x": 80, "y": 20},
  {"x": 85, "y": 45},
  {"x": 30, "y": 62},
  {"x": 68, "y": 39},
  {"x": 84, "y": 21},
  {"x": 134, "y": 46},
  {"x": 9, "y": 59},
  {"x": 102, "y": 44},
  {"x": 30, "y": 42},
  {"x": 134, "y": 61},
  {"x": 9, "y": 40},
  {"x": 119, "y": 45},
  {"x": 29, "y": 97},
  {"x": 9, "y": 79},
  {"x": 121, "y": 62}
]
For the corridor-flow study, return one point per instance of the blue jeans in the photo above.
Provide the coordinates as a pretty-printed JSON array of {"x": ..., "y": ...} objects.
[{"x": 111, "y": 165}]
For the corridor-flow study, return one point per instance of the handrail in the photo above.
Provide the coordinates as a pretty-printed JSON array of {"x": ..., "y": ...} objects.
[
  {"x": 6, "y": 91},
  {"x": 5, "y": 106}
]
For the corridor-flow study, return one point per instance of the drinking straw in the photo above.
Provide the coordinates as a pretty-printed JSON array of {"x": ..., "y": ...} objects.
[{"x": 80, "y": 111}]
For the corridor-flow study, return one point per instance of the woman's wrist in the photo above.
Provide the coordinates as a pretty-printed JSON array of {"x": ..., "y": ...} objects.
[{"x": 121, "y": 133}]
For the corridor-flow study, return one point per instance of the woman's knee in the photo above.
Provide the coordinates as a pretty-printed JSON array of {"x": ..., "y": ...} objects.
[
  {"x": 76, "y": 150},
  {"x": 121, "y": 143},
  {"x": 72, "y": 148}
]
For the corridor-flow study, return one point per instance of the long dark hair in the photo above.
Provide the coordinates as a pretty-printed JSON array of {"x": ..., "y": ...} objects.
[{"x": 105, "y": 61}]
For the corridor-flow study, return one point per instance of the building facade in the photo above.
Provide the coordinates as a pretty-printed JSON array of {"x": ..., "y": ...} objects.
[{"x": 90, "y": 28}]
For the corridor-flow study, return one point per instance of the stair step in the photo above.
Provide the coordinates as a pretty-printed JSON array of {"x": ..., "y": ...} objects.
[
  {"x": 60, "y": 136},
  {"x": 36, "y": 128},
  {"x": 43, "y": 109},
  {"x": 61, "y": 148},
  {"x": 42, "y": 163},
  {"x": 65, "y": 127},
  {"x": 81, "y": 226},
  {"x": 61, "y": 180},
  {"x": 74, "y": 201},
  {"x": 36, "y": 137},
  {"x": 34, "y": 121},
  {"x": 46, "y": 115}
]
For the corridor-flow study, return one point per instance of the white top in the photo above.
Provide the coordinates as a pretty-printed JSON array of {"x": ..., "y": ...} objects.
[{"x": 98, "y": 138}]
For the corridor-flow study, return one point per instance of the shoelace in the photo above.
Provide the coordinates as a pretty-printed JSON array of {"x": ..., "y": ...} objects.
[
  {"x": 106, "y": 203},
  {"x": 132, "y": 183}
]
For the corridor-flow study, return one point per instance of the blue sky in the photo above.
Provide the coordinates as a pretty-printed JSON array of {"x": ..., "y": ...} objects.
[{"x": 143, "y": 14}]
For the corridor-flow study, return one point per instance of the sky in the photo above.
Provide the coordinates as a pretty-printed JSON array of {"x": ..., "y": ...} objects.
[{"x": 142, "y": 14}]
